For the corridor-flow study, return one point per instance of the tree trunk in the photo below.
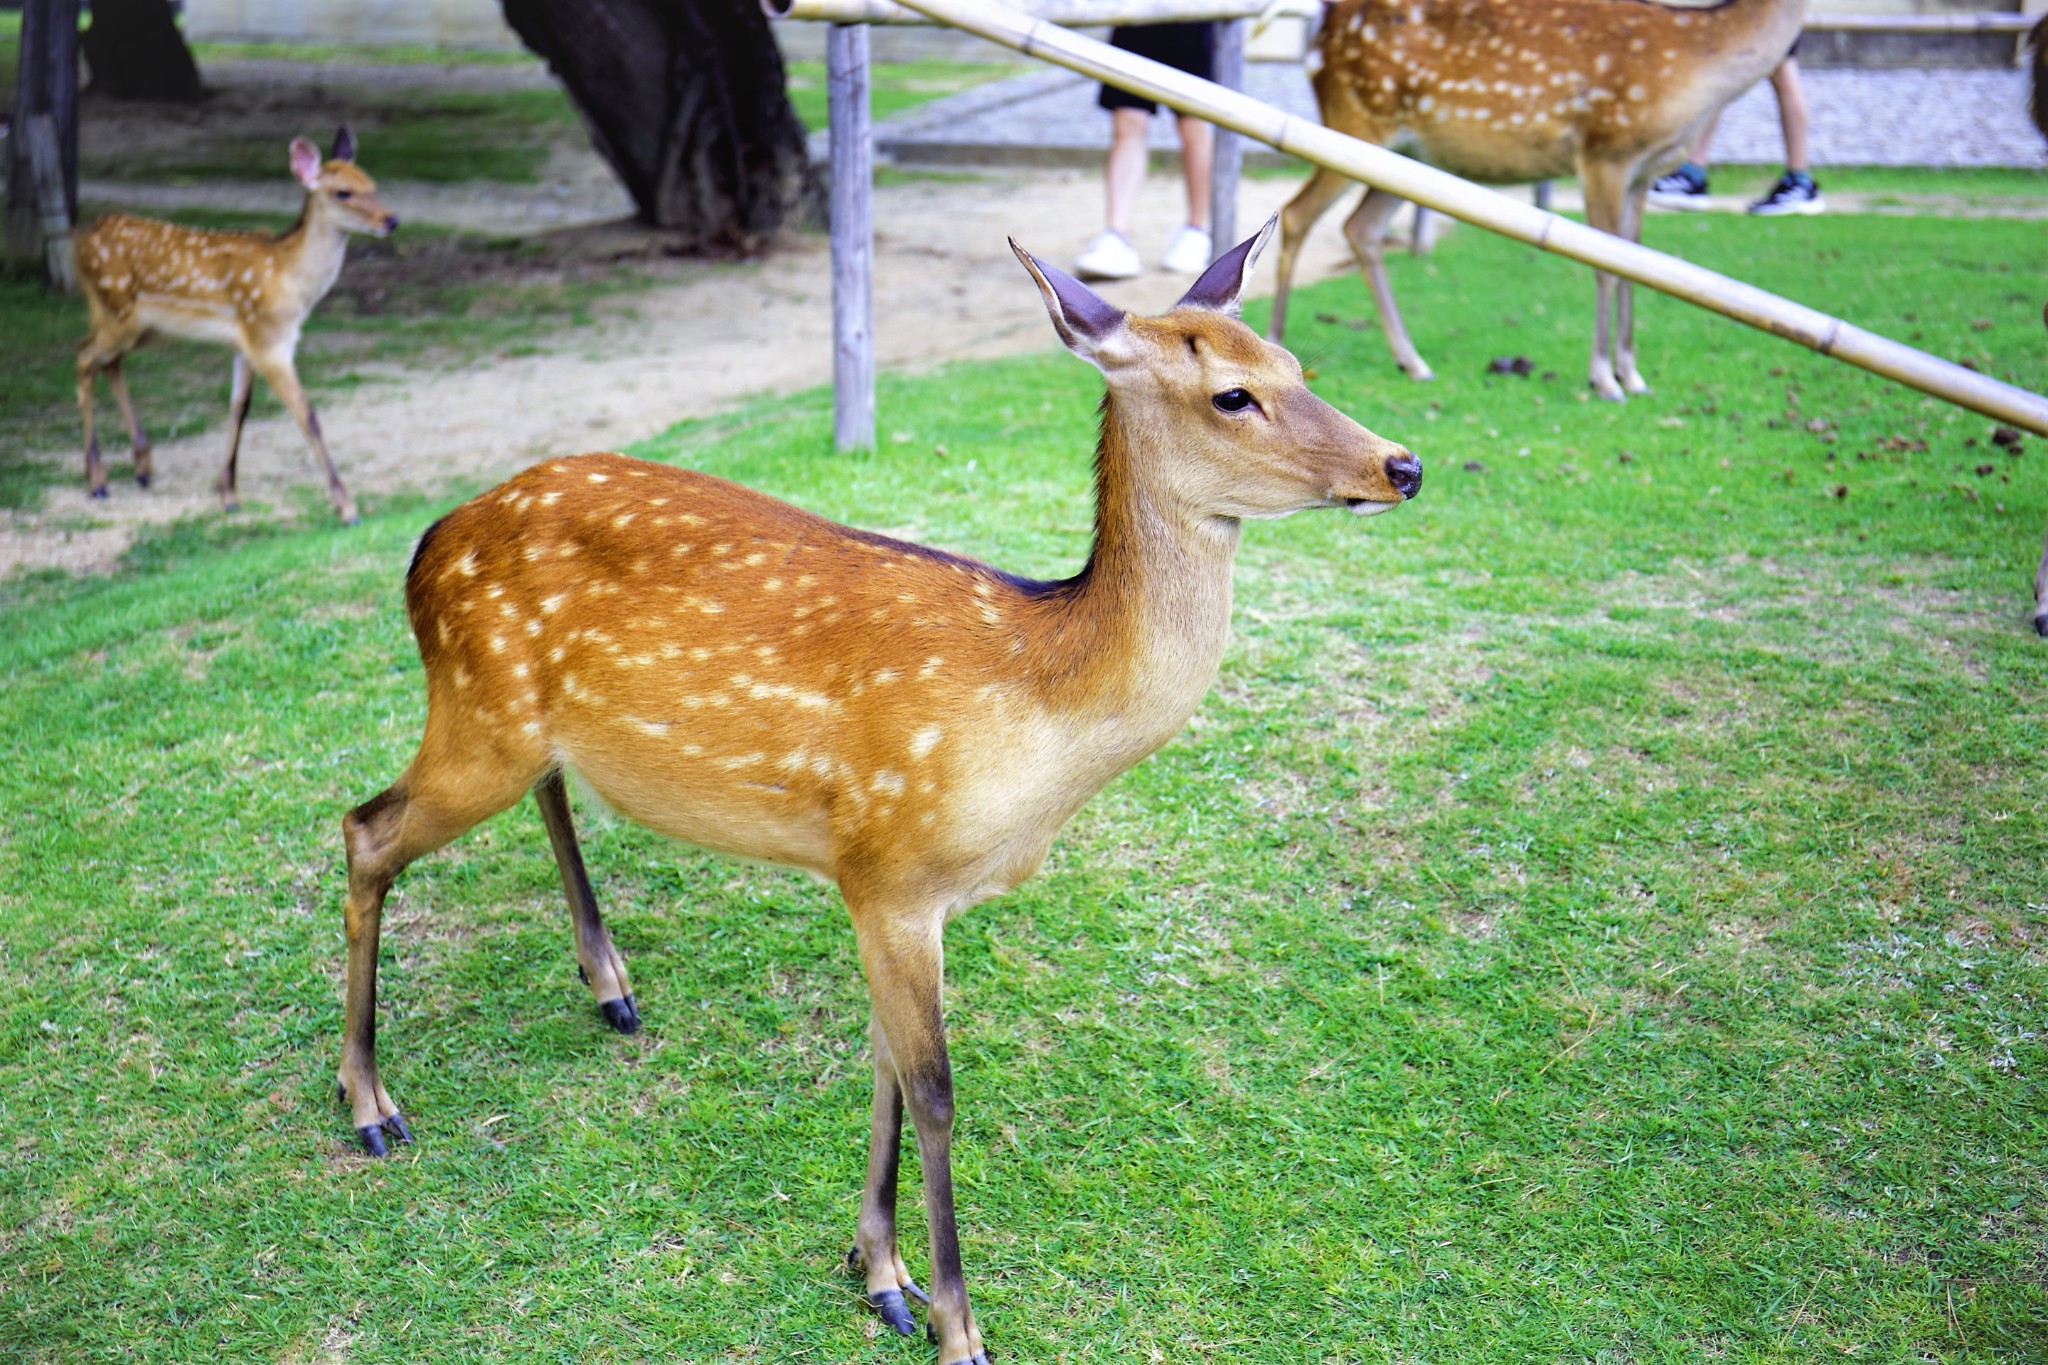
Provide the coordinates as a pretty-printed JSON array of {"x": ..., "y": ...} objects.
[
  {"x": 137, "y": 53},
  {"x": 686, "y": 99}
]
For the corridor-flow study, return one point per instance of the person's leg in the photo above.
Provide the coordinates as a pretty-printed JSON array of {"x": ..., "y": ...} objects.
[
  {"x": 1198, "y": 162},
  {"x": 1791, "y": 113},
  {"x": 1795, "y": 191},
  {"x": 1703, "y": 144},
  {"x": 1125, "y": 173}
]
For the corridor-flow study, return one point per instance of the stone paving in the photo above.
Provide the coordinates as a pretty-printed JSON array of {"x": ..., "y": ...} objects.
[{"x": 1958, "y": 117}]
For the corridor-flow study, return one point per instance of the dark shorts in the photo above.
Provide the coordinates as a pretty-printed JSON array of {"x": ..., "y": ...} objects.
[{"x": 1184, "y": 47}]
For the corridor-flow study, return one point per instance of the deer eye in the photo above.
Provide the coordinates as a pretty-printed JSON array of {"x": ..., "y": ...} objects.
[
  {"x": 1233, "y": 400},
  {"x": 344, "y": 194}
]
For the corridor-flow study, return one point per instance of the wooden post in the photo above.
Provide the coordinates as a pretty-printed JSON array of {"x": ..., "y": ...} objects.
[
  {"x": 46, "y": 89},
  {"x": 46, "y": 167},
  {"x": 853, "y": 238},
  {"x": 1229, "y": 145}
]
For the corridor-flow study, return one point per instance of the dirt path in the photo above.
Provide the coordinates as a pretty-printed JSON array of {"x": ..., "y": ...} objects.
[{"x": 946, "y": 289}]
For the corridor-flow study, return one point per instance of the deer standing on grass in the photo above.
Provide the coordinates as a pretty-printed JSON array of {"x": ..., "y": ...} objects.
[
  {"x": 1508, "y": 91},
  {"x": 915, "y": 726},
  {"x": 251, "y": 290}
]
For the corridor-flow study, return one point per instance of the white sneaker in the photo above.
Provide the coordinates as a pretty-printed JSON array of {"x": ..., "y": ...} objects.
[
  {"x": 1190, "y": 253},
  {"x": 1109, "y": 257}
]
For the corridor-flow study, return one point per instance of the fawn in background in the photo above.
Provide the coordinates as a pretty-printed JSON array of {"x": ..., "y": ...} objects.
[
  {"x": 249, "y": 290},
  {"x": 913, "y": 725}
]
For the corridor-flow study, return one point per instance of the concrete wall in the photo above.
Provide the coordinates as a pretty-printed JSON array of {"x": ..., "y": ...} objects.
[{"x": 433, "y": 23}]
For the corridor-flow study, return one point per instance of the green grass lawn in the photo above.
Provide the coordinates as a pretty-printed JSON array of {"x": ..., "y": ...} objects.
[{"x": 1598, "y": 914}]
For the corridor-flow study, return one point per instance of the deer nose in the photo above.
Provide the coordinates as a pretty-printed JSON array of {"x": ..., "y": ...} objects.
[
  {"x": 391, "y": 222},
  {"x": 1404, "y": 471}
]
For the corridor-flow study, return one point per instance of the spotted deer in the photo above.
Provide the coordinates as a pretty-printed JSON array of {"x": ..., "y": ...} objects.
[
  {"x": 249, "y": 290},
  {"x": 1509, "y": 91},
  {"x": 910, "y": 724}
]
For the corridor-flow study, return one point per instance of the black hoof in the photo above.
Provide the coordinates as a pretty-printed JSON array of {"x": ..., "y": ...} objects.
[
  {"x": 621, "y": 1015},
  {"x": 231, "y": 505},
  {"x": 889, "y": 1304},
  {"x": 978, "y": 1358},
  {"x": 97, "y": 494},
  {"x": 395, "y": 1125},
  {"x": 352, "y": 519},
  {"x": 142, "y": 480},
  {"x": 2041, "y": 624},
  {"x": 373, "y": 1139}
]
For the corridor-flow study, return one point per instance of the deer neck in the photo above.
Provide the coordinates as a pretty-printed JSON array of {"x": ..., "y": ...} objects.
[
  {"x": 1144, "y": 625},
  {"x": 310, "y": 254}
]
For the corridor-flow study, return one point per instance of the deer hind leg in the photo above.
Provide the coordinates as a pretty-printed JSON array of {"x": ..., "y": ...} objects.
[
  {"x": 1606, "y": 189},
  {"x": 456, "y": 781},
  {"x": 1367, "y": 231},
  {"x": 1297, "y": 220},
  {"x": 1625, "y": 298},
  {"x": 240, "y": 388},
  {"x": 875, "y": 1254},
  {"x": 278, "y": 372},
  {"x": 138, "y": 443},
  {"x": 598, "y": 962},
  {"x": 903, "y": 966}
]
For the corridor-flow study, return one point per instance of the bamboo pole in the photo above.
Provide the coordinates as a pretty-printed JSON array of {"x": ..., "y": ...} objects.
[
  {"x": 853, "y": 238},
  {"x": 1445, "y": 193},
  {"x": 1067, "y": 13}
]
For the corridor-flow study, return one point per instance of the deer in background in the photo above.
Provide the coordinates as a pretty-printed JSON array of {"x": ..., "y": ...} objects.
[
  {"x": 1509, "y": 91},
  {"x": 250, "y": 290},
  {"x": 913, "y": 725}
]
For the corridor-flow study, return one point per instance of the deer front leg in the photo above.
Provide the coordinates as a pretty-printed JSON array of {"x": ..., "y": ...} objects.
[
  {"x": 240, "y": 389},
  {"x": 1605, "y": 189},
  {"x": 138, "y": 443},
  {"x": 278, "y": 372},
  {"x": 875, "y": 1253},
  {"x": 598, "y": 962},
  {"x": 1367, "y": 231},
  {"x": 95, "y": 475},
  {"x": 902, "y": 957}
]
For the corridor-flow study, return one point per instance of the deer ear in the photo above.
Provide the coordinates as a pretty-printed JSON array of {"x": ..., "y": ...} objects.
[
  {"x": 344, "y": 143},
  {"x": 306, "y": 163},
  {"x": 1224, "y": 281},
  {"x": 1084, "y": 320}
]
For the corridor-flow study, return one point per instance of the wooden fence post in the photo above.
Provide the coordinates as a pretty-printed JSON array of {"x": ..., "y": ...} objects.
[
  {"x": 853, "y": 238},
  {"x": 1229, "y": 145},
  {"x": 42, "y": 199}
]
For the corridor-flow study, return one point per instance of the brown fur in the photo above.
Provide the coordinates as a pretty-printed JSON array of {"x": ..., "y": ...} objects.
[
  {"x": 1509, "y": 91},
  {"x": 249, "y": 290},
  {"x": 916, "y": 726}
]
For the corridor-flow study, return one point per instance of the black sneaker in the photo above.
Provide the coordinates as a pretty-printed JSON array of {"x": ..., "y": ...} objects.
[
  {"x": 1684, "y": 188},
  {"x": 1795, "y": 192}
]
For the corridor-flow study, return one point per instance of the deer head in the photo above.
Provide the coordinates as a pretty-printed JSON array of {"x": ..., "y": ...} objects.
[
  {"x": 1242, "y": 434},
  {"x": 339, "y": 187}
]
